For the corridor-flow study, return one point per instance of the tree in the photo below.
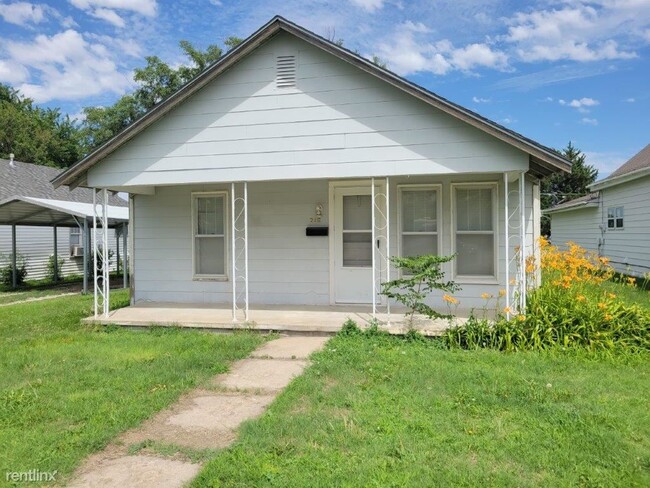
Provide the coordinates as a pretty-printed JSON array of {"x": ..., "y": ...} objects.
[
  {"x": 561, "y": 187},
  {"x": 34, "y": 134},
  {"x": 156, "y": 81}
]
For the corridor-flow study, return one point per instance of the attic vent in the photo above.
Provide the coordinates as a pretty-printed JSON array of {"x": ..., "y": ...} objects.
[{"x": 285, "y": 71}]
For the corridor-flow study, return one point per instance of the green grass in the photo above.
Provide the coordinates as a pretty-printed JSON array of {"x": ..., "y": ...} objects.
[
  {"x": 376, "y": 411},
  {"x": 19, "y": 296},
  {"x": 67, "y": 389},
  {"x": 639, "y": 294}
]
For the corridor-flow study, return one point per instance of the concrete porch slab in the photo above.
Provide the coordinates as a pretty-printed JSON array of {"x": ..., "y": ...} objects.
[{"x": 287, "y": 319}]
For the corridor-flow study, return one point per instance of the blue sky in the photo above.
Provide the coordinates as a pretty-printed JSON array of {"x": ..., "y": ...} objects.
[{"x": 554, "y": 70}]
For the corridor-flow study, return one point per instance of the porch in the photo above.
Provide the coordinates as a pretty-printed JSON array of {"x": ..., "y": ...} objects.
[{"x": 292, "y": 320}]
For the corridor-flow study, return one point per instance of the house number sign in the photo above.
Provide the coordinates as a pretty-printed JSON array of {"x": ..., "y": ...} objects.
[{"x": 319, "y": 214}]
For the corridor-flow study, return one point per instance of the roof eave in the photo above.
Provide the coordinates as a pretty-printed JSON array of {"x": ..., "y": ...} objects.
[
  {"x": 545, "y": 158},
  {"x": 617, "y": 180}
]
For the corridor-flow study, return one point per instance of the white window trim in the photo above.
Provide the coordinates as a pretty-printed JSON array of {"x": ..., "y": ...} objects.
[
  {"x": 226, "y": 230},
  {"x": 615, "y": 218},
  {"x": 437, "y": 187},
  {"x": 477, "y": 279},
  {"x": 76, "y": 231}
]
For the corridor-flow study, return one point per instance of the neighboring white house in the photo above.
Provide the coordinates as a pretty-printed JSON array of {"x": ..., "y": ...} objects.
[
  {"x": 254, "y": 182},
  {"x": 613, "y": 220},
  {"x": 36, "y": 243}
]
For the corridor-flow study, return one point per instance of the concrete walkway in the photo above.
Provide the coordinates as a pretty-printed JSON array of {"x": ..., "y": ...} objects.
[{"x": 163, "y": 451}]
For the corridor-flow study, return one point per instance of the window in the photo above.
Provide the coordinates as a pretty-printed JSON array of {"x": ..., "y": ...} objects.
[
  {"x": 418, "y": 220},
  {"x": 357, "y": 231},
  {"x": 210, "y": 247},
  {"x": 615, "y": 218},
  {"x": 75, "y": 236},
  {"x": 475, "y": 235}
]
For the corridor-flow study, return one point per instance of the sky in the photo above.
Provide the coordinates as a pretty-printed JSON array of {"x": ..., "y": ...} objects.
[{"x": 553, "y": 70}]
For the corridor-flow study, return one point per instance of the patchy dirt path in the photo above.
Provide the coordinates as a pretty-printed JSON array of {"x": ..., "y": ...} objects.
[{"x": 169, "y": 449}]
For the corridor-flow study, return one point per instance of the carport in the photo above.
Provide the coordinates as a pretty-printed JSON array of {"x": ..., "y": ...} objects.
[{"x": 88, "y": 217}]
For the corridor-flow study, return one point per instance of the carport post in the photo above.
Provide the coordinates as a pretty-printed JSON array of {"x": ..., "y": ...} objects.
[
  {"x": 56, "y": 257},
  {"x": 125, "y": 257},
  {"x": 14, "y": 269},
  {"x": 86, "y": 256}
]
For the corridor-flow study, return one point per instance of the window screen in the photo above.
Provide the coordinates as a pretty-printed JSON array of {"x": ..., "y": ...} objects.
[
  {"x": 209, "y": 235},
  {"x": 474, "y": 238},
  {"x": 419, "y": 222}
]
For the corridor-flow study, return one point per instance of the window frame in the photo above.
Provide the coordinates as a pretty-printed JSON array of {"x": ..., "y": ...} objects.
[
  {"x": 437, "y": 187},
  {"x": 476, "y": 279},
  {"x": 226, "y": 231},
  {"x": 75, "y": 231},
  {"x": 615, "y": 218}
]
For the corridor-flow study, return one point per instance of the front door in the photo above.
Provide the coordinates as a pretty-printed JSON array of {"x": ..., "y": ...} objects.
[{"x": 352, "y": 245}]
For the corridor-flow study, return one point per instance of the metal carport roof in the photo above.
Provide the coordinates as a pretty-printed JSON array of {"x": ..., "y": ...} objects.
[{"x": 20, "y": 210}]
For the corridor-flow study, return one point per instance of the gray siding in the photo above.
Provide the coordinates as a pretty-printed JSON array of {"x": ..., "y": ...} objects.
[
  {"x": 629, "y": 248},
  {"x": 286, "y": 267},
  {"x": 579, "y": 226},
  {"x": 337, "y": 122},
  {"x": 37, "y": 244}
]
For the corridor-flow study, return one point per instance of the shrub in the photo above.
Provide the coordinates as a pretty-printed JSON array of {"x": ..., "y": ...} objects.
[
  {"x": 569, "y": 309},
  {"x": 420, "y": 276},
  {"x": 54, "y": 274},
  {"x": 6, "y": 269}
]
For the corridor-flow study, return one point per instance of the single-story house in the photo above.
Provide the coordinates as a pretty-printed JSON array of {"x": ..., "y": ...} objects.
[
  {"x": 614, "y": 219},
  {"x": 290, "y": 170},
  {"x": 32, "y": 208}
]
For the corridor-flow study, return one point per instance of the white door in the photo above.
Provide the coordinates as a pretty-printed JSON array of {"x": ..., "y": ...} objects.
[{"x": 352, "y": 245}]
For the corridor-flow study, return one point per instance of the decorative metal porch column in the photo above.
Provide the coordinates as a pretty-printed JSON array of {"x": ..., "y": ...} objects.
[
  {"x": 239, "y": 249},
  {"x": 380, "y": 242},
  {"x": 100, "y": 254},
  {"x": 516, "y": 285}
]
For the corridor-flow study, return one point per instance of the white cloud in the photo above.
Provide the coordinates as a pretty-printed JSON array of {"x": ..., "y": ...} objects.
[
  {"x": 369, "y": 5},
  {"x": 407, "y": 52},
  {"x": 579, "y": 31},
  {"x": 143, "y": 7},
  {"x": 588, "y": 121},
  {"x": 21, "y": 13},
  {"x": 67, "y": 66},
  {"x": 580, "y": 104},
  {"x": 480, "y": 100},
  {"x": 109, "y": 16},
  {"x": 630, "y": 100},
  {"x": 107, "y": 9},
  {"x": 12, "y": 73}
]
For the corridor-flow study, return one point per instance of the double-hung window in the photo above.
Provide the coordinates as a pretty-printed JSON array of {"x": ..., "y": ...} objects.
[
  {"x": 474, "y": 230},
  {"x": 210, "y": 244},
  {"x": 615, "y": 218},
  {"x": 419, "y": 220}
]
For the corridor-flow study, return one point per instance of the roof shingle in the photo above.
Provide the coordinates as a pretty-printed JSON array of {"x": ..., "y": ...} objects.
[{"x": 33, "y": 180}]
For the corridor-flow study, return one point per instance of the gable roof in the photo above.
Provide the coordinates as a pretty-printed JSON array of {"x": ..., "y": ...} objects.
[
  {"x": 34, "y": 180},
  {"x": 585, "y": 201},
  {"x": 543, "y": 160},
  {"x": 639, "y": 161},
  {"x": 636, "y": 167}
]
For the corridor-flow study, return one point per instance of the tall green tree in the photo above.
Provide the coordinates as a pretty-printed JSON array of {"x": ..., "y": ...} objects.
[
  {"x": 33, "y": 134},
  {"x": 562, "y": 187},
  {"x": 155, "y": 81}
]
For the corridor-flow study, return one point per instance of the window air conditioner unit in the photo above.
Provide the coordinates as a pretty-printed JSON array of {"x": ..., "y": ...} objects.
[{"x": 76, "y": 251}]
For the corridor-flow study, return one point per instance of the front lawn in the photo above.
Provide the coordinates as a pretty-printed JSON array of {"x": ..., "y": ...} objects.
[
  {"x": 377, "y": 411},
  {"x": 67, "y": 389}
]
